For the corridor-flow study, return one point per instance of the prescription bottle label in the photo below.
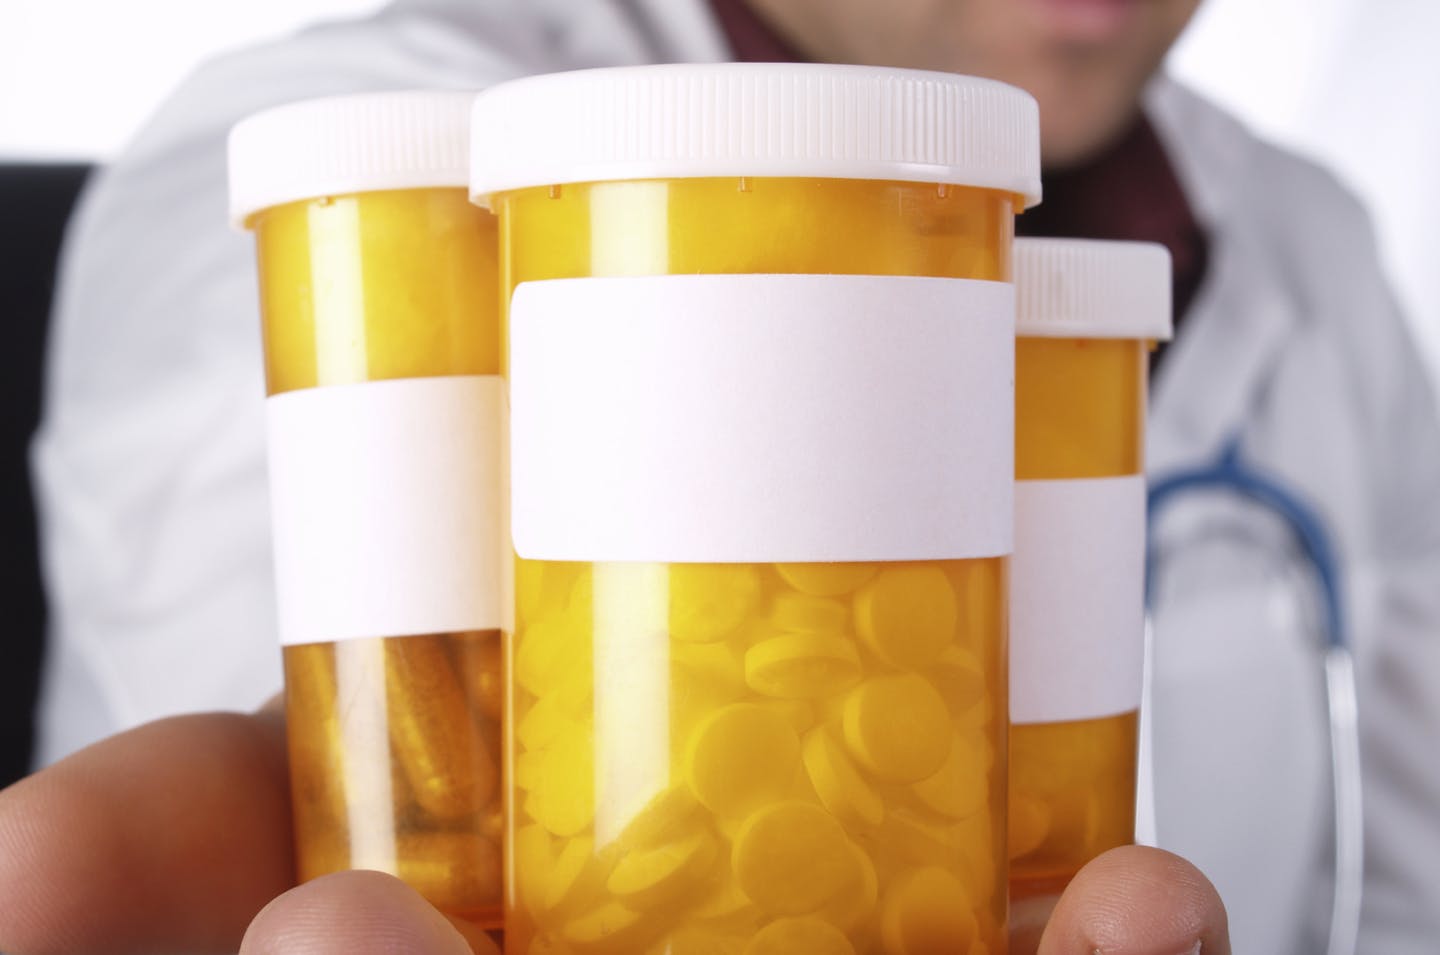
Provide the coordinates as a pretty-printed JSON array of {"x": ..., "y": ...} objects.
[
  {"x": 1077, "y": 599},
  {"x": 755, "y": 418},
  {"x": 385, "y": 498}
]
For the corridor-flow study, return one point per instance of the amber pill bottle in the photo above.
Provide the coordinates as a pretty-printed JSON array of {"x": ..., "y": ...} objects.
[
  {"x": 760, "y": 341},
  {"x": 379, "y": 307},
  {"x": 1089, "y": 313}
]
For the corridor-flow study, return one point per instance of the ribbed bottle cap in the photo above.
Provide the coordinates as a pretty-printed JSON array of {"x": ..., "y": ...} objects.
[
  {"x": 347, "y": 144},
  {"x": 1084, "y": 288},
  {"x": 686, "y": 121}
]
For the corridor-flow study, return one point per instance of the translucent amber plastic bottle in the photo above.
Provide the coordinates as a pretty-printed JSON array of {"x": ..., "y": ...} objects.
[
  {"x": 760, "y": 346},
  {"x": 1089, "y": 313},
  {"x": 379, "y": 303}
]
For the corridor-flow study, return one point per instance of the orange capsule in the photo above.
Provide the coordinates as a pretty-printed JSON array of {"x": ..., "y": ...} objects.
[
  {"x": 482, "y": 671},
  {"x": 450, "y": 769}
]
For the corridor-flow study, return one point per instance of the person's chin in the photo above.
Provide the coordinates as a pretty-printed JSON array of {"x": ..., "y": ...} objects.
[{"x": 1077, "y": 133}]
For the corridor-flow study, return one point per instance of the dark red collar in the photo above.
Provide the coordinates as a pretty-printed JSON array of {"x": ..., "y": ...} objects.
[
  {"x": 1129, "y": 192},
  {"x": 752, "y": 40}
]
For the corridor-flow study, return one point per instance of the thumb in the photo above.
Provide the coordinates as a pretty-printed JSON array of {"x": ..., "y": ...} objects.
[
  {"x": 1138, "y": 901},
  {"x": 359, "y": 913}
]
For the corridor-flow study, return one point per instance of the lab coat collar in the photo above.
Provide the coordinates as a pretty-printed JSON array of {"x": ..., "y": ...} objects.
[{"x": 1213, "y": 375}]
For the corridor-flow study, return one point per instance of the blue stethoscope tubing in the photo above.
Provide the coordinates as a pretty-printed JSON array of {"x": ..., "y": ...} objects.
[{"x": 1229, "y": 473}]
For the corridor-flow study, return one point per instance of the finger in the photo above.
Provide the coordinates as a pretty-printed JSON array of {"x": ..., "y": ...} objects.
[
  {"x": 358, "y": 913},
  {"x": 168, "y": 838},
  {"x": 1138, "y": 901}
]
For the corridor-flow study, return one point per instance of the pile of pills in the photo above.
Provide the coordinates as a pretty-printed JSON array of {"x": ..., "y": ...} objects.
[
  {"x": 823, "y": 730},
  {"x": 1072, "y": 797},
  {"x": 395, "y": 753}
]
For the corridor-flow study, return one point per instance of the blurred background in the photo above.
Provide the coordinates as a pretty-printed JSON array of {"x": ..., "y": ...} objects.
[{"x": 1352, "y": 83}]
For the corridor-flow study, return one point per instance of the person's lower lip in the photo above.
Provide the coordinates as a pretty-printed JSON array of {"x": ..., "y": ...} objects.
[{"x": 1086, "y": 20}]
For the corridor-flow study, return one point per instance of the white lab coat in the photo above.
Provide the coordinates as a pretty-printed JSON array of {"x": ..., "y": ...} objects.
[{"x": 152, "y": 482}]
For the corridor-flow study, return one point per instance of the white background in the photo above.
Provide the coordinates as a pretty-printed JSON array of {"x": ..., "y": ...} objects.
[
  {"x": 1356, "y": 84},
  {"x": 1353, "y": 82},
  {"x": 77, "y": 77}
]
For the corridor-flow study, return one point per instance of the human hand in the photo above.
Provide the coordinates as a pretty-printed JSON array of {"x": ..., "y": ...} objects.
[
  {"x": 1130, "y": 901},
  {"x": 175, "y": 837}
]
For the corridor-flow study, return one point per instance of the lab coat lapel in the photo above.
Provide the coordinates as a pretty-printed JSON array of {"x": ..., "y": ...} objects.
[
  {"x": 1216, "y": 371},
  {"x": 1245, "y": 772}
]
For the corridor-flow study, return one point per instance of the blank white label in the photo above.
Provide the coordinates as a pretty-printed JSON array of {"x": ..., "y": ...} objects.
[
  {"x": 762, "y": 418},
  {"x": 1077, "y": 593},
  {"x": 386, "y": 504}
]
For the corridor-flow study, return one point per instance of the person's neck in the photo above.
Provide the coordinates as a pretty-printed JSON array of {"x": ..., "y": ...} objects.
[{"x": 849, "y": 31}]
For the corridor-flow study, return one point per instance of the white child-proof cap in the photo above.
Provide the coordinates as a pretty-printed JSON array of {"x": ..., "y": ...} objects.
[
  {"x": 1087, "y": 288},
  {"x": 804, "y": 120},
  {"x": 347, "y": 144}
]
